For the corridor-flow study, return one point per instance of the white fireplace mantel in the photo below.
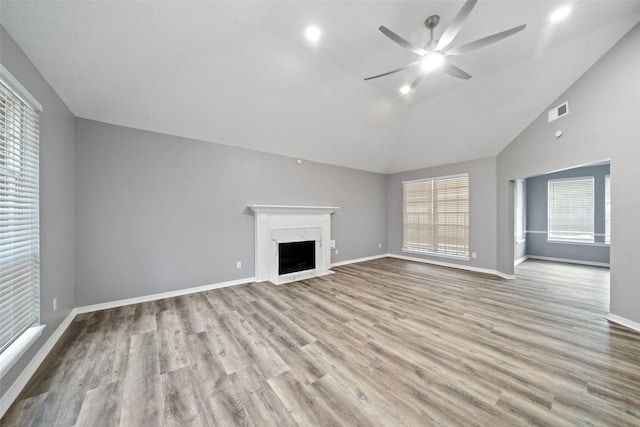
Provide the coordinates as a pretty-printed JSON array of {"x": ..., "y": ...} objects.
[
  {"x": 282, "y": 223},
  {"x": 291, "y": 210}
]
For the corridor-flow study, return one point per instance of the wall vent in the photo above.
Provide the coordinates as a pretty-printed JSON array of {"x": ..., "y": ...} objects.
[{"x": 557, "y": 112}]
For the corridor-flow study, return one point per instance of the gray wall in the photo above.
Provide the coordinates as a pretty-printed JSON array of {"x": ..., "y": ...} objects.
[
  {"x": 482, "y": 213},
  {"x": 158, "y": 213},
  {"x": 56, "y": 198},
  {"x": 537, "y": 244},
  {"x": 603, "y": 124}
]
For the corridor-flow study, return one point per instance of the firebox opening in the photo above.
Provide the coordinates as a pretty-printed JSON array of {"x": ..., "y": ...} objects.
[{"x": 296, "y": 256}]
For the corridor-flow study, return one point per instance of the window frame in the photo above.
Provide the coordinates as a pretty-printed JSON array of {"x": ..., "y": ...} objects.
[
  {"x": 435, "y": 243},
  {"x": 19, "y": 344},
  {"x": 520, "y": 211},
  {"x": 607, "y": 209},
  {"x": 556, "y": 239}
]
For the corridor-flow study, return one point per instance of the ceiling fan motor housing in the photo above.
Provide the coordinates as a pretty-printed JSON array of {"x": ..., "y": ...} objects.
[{"x": 432, "y": 21}]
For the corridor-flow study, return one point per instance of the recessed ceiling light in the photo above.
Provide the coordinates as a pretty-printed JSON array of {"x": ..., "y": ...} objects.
[
  {"x": 405, "y": 89},
  {"x": 432, "y": 60},
  {"x": 313, "y": 34},
  {"x": 560, "y": 14}
]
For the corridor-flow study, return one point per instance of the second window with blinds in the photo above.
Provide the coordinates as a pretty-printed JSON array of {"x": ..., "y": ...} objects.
[
  {"x": 571, "y": 210},
  {"x": 436, "y": 216}
]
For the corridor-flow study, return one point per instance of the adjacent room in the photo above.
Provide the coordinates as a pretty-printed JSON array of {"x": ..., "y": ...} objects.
[{"x": 302, "y": 213}]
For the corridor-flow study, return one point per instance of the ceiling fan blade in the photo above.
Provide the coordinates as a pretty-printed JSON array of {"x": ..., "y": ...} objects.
[
  {"x": 393, "y": 71},
  {"x": 485, "y": 41},
  {"x": 402, "y": 42},
  {"x": 454, "y": 27},
  {"x": 454, "y": 71},
  {"x": 418, "y": 79}
]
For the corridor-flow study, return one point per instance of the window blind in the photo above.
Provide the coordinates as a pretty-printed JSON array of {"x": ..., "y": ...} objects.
[
  {"x": 570, "y": 209},
  {"x": 607, "y": 209},
  {"x": 436, "y": 215},
  {"x": 19, "y": 216}
]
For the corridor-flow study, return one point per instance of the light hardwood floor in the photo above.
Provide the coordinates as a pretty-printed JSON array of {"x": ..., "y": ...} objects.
[{"x": 385, "y": 342}]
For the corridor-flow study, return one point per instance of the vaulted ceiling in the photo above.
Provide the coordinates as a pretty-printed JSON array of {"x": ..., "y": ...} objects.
[{"x": 242, "y": 73}]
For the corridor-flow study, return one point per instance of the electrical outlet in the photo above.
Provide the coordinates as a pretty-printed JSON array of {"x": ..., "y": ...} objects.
[
  {"x": 238, "y": 264},
  {"x": 55, "y": 304},
  {"x": 332, "y": 244},
  {"x": 474, "y": 255},
  {"x": 337, "y": 251},
  {"x": 379, "y": 245}
]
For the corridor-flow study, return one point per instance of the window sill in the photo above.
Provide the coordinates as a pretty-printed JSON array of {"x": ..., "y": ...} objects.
[
  {"x": 577, "y": 242},
  {"x": 15, "y": 351},
  {"x": 436, "y": 254}
]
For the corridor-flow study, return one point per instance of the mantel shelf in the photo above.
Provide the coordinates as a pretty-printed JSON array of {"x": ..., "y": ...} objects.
[{"x": 288, "y": 209}]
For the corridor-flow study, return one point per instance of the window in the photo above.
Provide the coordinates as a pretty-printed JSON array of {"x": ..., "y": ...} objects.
[
  {"x": 520, "y": 218},
  {"x": 19, "y": 220},
  {"x": 436, "y": 215},
  {"x": 607, "y": 209},
  {"x": 570, "y": 204}
]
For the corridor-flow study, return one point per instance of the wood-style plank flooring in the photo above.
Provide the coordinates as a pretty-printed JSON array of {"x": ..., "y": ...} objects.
[{"x": 385, "y": 342}]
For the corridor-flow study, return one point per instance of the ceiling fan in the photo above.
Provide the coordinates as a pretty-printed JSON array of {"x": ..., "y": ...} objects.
[{"x": 436, "y": 53}]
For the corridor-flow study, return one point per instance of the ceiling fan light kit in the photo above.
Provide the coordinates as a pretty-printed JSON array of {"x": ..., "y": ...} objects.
[
  {"x": 560, "y": 14},
  {"x": 437, "y": 53},
  {"x": 432, "y": 60}
]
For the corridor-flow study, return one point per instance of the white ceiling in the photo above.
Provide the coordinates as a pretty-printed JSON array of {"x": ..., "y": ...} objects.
[{"x": 241, "y": 72}]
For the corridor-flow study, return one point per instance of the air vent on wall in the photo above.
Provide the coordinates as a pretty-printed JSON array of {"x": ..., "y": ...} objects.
[{"x": 557, "y": 112}]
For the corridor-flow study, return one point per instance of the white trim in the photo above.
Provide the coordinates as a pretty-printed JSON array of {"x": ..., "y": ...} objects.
[
  {"x": 572, "y": 242},
  {"x": 283, "y": 279},
  {"x": 12, "y": 392},
  {"x": 17, "y": 88},
  {"x": 437, "y": 254},
  {"x": 163, "y": 295},
  {"x": 521, "y": 260},
  {"x": 545, "y": 232},
  {"x": 578, "y": 242},
  {"x": 14, "y": 352},
  {"x": 624, "y": 322},
  {"x": 458, "y": 266},
  {"x": 353, "y": 261},
  {"x": 570, "y": 261},
  {"x": 289, "y": 209}
]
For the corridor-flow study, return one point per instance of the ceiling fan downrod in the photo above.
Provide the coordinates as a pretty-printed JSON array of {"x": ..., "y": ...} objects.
[{"x": 431, "y": 22}]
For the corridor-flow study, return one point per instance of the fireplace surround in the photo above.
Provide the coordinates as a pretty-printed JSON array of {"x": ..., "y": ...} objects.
[{"x": 275, "y": 224}]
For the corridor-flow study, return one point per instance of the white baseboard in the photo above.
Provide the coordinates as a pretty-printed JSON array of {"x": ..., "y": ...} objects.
[
  {"x": 163, "y": 295},
  {"x": 570, "y": 261},
  {"x": 452, "y": 265},
  {"x": 353, "y": 261},
  {"x": 18, "y": 385},
  {"x": 520, "y": 260},
  {"x": 624, "y": 322}
]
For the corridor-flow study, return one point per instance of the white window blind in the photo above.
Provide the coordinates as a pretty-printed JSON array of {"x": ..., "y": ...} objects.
[
  {"x": 570, "y": 204},
  {"x": 19, "y": 217},
  {"x": 436, "y": 215},
  {"x": 607, "y": 209}
]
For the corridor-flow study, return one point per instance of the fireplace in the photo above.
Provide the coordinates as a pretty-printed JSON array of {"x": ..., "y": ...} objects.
[
  {"x": 296, "y": 256},
  {"x": 285, "y": 232}
]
